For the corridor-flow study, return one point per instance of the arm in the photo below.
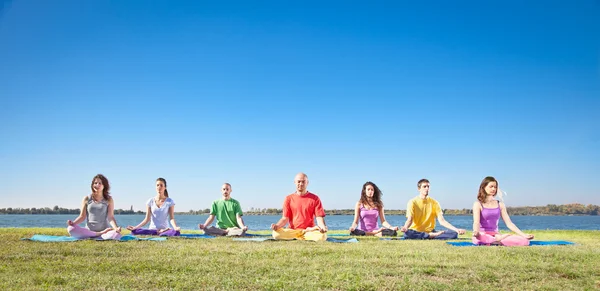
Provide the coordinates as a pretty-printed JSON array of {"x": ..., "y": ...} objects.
[
  {"x": 146, "y": 219},
  {"x": 281, "y": 223},
  {"x": 476, "y": 217},
  {"x": 406, "y": 224},
  {"x": 240, "y": 222},
  {"x": 172, "y": 216},
  {"x": 321, "y": 224},
  {"x": 208, "y": 221},
  {"x": 384, "y": 222},
  {"x": 111, "y": 215},
  {"x": 82, "y": 213},
  {"x": 356, "y": 214},
  {"x": 447, "y": 224},
  {"x": 510, "y": 224}
]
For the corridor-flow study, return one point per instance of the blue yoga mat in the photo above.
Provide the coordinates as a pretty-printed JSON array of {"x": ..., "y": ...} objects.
[
  {"x": 392, "y": 238},
  {"x": 339, "y": 240},
  {"x": 56, "y": 238},
  {"x": 258, "y": 235},
  {"x": 531, "y": 243},
  {"x": 195, "y": 235}
]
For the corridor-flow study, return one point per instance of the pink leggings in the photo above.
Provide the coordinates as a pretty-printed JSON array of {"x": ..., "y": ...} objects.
[
  {"x": 79, "y": 232},
  {"x": 510, "y": 241}
]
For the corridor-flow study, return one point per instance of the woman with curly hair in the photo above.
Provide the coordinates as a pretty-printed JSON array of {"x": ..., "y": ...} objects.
[{"x": 368, "y": 210}]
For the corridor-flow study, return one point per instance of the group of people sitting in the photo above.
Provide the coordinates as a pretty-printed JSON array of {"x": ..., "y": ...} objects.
[{"x": 300, "y": 210}]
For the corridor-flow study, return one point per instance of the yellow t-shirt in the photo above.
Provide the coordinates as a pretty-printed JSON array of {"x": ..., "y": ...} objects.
[{"x": 423, "y": 213}]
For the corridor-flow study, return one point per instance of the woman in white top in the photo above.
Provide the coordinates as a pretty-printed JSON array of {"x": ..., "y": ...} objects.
[{"x": 159, "y": 210}]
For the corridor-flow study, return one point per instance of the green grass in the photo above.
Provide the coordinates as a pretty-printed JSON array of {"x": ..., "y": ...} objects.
[{"x": 370, "y": 264}]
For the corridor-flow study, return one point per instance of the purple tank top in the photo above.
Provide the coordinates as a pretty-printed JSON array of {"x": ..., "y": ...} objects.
[
  {"x": 368, "y": 219},
  {"x": 489, "y": 217}
]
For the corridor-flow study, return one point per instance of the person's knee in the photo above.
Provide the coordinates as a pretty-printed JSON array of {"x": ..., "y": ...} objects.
[
  {"x": 451, "y": 234},
  {"x": 276, "y": 234}
]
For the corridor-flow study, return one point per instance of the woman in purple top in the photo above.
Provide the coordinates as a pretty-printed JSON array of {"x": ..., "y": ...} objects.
[
  {"x": 486, "y": 214},
  {"x": 368, "y": 209}
]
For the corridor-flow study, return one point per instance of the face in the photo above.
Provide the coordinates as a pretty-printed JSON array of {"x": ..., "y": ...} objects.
[
  {"x": 491, "y": 188},
  {"x": 98, "y": 186},
  {"x": 301, "y": 182},
  {"x": 424, "y": 189},
  {"x": 369, "y": 191},
  {"x": 226, "y": 191},
  {"x": 160, "y": 187}
]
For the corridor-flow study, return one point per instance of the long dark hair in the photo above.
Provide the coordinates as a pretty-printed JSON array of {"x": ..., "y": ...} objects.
[
  {"x": 376, "y": 195},
  {"x": 164, "y": 182},
  {"x": 106, "y": 190},
  {"x": 481, "y": 194}
]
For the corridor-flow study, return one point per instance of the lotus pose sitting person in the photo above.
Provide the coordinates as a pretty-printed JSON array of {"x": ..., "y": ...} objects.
[
  {"x": 367, "y": 210},
  {"x": 158, "y": 210},
  {"x": 300, "y": 210},
  {"x": 421, "y": 213},
  {"x": 486, "y": 214},
  {"x": 229, "y": 216},
  {"x": 98, "y": 211}
]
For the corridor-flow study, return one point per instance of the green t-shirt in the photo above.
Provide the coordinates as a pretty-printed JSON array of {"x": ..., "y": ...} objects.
[{"x": 225, "y": 211}]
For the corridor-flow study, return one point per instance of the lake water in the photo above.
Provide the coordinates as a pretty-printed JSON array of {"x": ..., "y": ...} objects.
[{"x": 334, "y": 222}]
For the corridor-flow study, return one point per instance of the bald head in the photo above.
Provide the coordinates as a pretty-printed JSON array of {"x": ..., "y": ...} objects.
[{"x": 301, "y": 181}]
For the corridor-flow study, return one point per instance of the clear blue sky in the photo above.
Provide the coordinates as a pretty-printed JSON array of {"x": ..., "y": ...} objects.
[{"x": 205, "y": 92}]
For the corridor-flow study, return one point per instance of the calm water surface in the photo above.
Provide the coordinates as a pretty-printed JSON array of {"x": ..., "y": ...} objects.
[{"x": 334, "y": 222}]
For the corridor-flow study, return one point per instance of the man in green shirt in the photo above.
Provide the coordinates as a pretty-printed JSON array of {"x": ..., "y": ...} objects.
[{"x": 229, "y": 216}]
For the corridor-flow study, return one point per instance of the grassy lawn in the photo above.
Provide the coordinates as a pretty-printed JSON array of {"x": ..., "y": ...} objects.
[{"x": 370, "y": 264}]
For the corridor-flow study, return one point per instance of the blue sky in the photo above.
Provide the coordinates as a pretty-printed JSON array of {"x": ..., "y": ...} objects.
[{"x": 202, "y": 93}]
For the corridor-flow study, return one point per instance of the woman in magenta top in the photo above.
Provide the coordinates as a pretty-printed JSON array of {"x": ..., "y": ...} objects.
[
  {"x": 486, "y": 214},
  {"x": 368, "y": 209}
]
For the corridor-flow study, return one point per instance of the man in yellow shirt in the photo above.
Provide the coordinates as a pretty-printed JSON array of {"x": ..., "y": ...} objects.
[{"x": 421, "y": 213}]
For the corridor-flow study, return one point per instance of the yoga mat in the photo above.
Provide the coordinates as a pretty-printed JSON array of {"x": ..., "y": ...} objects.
[
  {"x": 339, "y": 240},
  {"x": 531, "y": 243},
  {"x": 56, "y": 238},
  {"x": 195, "y": 235}
]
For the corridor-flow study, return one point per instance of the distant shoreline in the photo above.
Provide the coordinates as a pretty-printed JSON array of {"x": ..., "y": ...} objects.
[{"x": 548, "y": 210}]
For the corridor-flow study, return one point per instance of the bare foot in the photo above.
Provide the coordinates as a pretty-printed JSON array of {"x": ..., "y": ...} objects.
[{"x": 435, "y": 234}]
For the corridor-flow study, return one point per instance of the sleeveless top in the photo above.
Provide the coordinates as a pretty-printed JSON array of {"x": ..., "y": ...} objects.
[
  {"x": 489, "y": 217},
  {"x": 97, "y": 214},
  {"x": 368, "y": 219}
]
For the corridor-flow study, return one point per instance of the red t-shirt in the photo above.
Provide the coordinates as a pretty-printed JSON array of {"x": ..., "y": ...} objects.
[{"x": 302, "y": 209}]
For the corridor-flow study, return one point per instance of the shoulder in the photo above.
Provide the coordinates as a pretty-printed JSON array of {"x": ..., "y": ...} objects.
[
  {"x": 312, "y": 196},
  {"x": 170, "y": 200},
  {"x": 150, "y": 201},
  {"x": 86, "y": 198},
  {"x": 501, "y": 204},
  {"x": 358, "y": 205},
  {"x": 234, "y": 201},
  {"x": 476, "y": 204}
]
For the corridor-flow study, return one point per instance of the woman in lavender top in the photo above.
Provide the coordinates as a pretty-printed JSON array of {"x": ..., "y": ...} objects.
[
  {"x": 486, "y": 214},
  {"x": 97, "y": 210},
  {"x": 159, "y": 210},
  {"x": 367, "y": 210}
]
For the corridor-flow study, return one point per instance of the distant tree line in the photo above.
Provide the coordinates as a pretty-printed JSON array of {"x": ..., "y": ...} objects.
[
  {"x": 56, "y": 210},
  {"x": 550, "y": 209}
]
